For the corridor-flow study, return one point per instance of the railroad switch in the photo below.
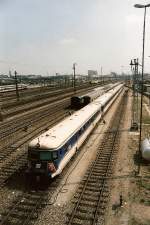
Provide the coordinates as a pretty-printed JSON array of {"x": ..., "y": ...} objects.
[{"x": 134, "y": 127}]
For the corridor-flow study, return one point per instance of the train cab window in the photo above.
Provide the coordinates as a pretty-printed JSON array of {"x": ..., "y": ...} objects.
[
  {"x": 45, "y": 155},
  {"x": 34, "y": 155},
  {"x": 55, "y": 155}
]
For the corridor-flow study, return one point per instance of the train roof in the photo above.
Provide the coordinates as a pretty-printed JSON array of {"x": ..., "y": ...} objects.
[{"x": 55, "y": 137}]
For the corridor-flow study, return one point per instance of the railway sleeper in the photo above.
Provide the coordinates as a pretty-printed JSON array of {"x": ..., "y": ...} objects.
[
  {"x": 104, "y": 158},
  {"x": 91, "y": 184},
  {"x": 85, "y": 209},
  {"x": 107, "y": 150},
  {"x": 94, "y": 194},
  {"x": 105, "y": 194},
  {"x": 89, "y": 198},
  {"x": 90, "y": 189},
  {"x": 93, "y": 189},
  {"x": 94, "y": 181},
  {"x": 96, "y": 173},
  {"x": 91, "y": 192},
  {"x": 85, "y": 203},
  {"x": 101, "y": 168},
  {"x": 106, "y": 147},
  {"x": 92, "y": 197}
]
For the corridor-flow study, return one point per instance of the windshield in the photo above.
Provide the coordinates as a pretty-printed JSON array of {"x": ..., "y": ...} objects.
[{"x": 41, "y": 155}]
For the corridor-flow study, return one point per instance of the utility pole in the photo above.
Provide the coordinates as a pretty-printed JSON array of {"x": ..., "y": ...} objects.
[
  {"x": 16, "y": 83},
  {"x": 134, "y": 68},
  {"x": 142, "y": 78},
  {"x": 74, "y": 76},
  {"x": 101, "y": 73}
]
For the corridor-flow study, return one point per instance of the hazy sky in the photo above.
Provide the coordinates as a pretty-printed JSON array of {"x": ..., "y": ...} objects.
[{"x": 48, "y": 36}]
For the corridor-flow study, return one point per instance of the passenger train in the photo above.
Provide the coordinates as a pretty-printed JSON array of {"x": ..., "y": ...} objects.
[
  {"x": 81, "y": 101},
  {"x": 49, "y": 153}
]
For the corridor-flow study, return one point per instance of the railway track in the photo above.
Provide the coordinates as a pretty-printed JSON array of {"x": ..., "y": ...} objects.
[
  {"x": 30, "y": 119},
  {"x": 32, "y": 105},
  {"x": 32, "y": 102},
  {"x": 92, "y": 195},
  {"x": 26, "y": 207},
  {"x": 25, "y": 121}
]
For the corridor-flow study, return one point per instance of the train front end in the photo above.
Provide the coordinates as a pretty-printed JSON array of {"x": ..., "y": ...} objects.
[{"x": 42, "y": 163}]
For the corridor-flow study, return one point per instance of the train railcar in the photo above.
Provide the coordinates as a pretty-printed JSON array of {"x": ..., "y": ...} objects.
[
  {"x": 80, "y": 101},
  {"x": 77, "y": 101},
  {"x": 145, "y": 150},
  {"x": 49, "y": 153}
]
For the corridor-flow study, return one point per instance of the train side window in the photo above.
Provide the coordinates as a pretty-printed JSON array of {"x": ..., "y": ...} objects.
[
  {"x": 80, "y": 132},
  {"x": 61, "y": 151},
  {"x": 74, "y": 138},
  {"x": 66, "y": 147},
  {"x": 85, "y": 126}
]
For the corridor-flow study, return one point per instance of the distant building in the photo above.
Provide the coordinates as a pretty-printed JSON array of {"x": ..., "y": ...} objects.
[{"x": 92, "y": 73}]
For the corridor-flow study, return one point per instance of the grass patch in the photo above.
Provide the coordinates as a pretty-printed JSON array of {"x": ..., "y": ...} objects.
[
  {"x": 146, "y": 202},
  {"x": 144, "y": 184}
]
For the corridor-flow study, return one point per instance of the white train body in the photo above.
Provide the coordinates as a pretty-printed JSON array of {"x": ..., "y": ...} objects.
[
  {"x": 92, "y": 95},
  {"x": 145, "y": 150},
  {"x": 50, "y": 152}
]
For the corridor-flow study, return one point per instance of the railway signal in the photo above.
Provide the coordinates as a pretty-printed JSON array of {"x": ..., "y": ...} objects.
[
  {"x": 16, "y": 83},
  {"x": 134, "y": 68}
]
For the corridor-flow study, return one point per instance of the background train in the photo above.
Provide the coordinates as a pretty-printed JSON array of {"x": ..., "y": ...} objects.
[
  {"x": 8, "y": 88},
  {"x": 49, "y": 153},
  {"x": 78, "y": 102}
]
